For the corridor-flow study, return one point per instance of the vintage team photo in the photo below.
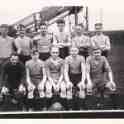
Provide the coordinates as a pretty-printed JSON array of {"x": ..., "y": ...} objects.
[{"x": 51, "y": 61}]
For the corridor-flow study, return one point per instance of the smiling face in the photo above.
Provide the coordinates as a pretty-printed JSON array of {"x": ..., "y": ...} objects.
[
  {"x": 74, "y": 51},
  {"x": 22, "y": 32},
  {"x": 3, "y": 30},
  {"x": 43, "y": 29},
  {"x": 35, "y": 55},
  {"x": 61, "y": 26},
  {"x": 54, "y": 52},
  {"x": 98, "y": 28},
  {"x": 97, "y": 53},
  {"x": 14, "y": 59}
]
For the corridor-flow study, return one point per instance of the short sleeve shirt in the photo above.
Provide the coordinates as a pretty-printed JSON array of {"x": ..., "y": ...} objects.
[
  {"x": 97, "y": 68},
  {"x": 6, "y": 46},
  {"x": 81, "y": 41},
  {"x": 55, "y": 67},
  {"x": 24, "y": 44},
  {"x": 74, "y": 64},
  {"x": 35, "y": 68},
  {"x": 102, "y": 41},
  {"x": 62, "y": 37},
  {"x": 44, "y": 43}
]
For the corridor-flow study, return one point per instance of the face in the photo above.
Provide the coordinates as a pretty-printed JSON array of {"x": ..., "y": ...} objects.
[
  {"x": 55, "y": 52},
  {"x": 4, "y": 30},
  {"x": 61, "y": 26},
  {"x": 43, "y": 29},
  {"x": 22, "y": 32},
  {"x": 97, "y": 53},
  {"x": 78, "y": 30},
  {"x": 98, "y": 29},
  {"x": 74, "y": 51},
  {"x": 35, "y": 56},
  {"x": 14, "y": 59}
]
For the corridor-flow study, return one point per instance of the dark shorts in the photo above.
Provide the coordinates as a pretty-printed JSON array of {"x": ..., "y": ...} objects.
[
  {"x": 99, "y": 89},
  {"x": 64, "y": 52},
  {"x": 44, "y": 56},
  {"x": 84, "y": 52},
  {"x": 75, "y": 78},
  {"x": 105, "y": 53},
  {"x": 24, "y": 58}
]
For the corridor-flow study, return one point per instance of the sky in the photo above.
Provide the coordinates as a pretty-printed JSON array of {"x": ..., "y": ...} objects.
[{"x": 110, "y": 12}]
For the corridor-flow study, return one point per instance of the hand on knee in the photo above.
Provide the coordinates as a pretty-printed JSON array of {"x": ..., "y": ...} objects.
[{"x": 81, "y": 85}]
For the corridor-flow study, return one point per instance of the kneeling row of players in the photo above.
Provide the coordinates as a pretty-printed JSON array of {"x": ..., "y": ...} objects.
[{"x": 58, "y": 80}]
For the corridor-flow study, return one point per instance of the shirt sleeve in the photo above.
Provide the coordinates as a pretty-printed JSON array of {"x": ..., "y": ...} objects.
[
  {"x": 88, "y": 64},
  {"x": 107, "y": 67},
  {"x": 107, "y": 42}
]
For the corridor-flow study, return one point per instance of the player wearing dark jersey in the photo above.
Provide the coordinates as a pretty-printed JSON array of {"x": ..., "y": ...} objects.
[
  {"x": 75, "y": 77},
  {"x": 13, "y": 75},
  {"x": 36, "y": 78},
  {"x": 99, "y": 75},
  {"x": 55, "y": 86},
  {"x": 43, "y": 42}
]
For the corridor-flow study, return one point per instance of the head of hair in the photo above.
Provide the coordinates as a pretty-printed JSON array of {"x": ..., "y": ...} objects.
[
  {"x": 4, "y": 26},
  {"x": 43, "y": 24},
  {"x": 54, "y": 46},
  {"x": 14, "y": 54},
  {"x": 96, "y": 48},
  {"x": 60, "y": 21},
  {"x": 34, "y": 51},
  {"x": 98, "y": 24},
  {"x": 81, "y": 25}
]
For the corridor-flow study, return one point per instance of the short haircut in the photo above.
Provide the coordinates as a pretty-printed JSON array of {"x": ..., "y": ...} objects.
[
  {"x": 14, "y": 54},
  {"x": 96, "y": 48},
  {"x": 4, "y": 26},
  {"x": 54, "y": 46},
  {"x": 98, "y": 24},
  {"x": 43, "y": 24},
  {"x": 34, "y": 51},
  {"x": 81, "y": 25},
  {"x": 60, "y": 21}
]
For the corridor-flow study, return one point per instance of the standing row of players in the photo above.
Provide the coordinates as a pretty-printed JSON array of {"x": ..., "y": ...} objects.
[{"x": 50, "y": 78}]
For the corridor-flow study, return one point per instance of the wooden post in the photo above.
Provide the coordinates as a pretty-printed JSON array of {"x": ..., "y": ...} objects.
[
  {"x": 76, "y": 16},
  {"x": 87, "y": 20}
]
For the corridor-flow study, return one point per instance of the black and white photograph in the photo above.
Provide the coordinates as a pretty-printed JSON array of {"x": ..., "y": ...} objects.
[{"x": 61, "y": 59}]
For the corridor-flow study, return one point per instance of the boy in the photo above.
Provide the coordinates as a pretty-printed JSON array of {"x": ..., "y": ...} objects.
[{"x": 36, "y": 78}]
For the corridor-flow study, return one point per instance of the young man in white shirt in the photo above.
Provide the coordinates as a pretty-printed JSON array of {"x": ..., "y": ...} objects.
[
  {"x": 100, "y": 40},
  {"x": 63, "y": 39},
  {"x": 23, "y": 45}
]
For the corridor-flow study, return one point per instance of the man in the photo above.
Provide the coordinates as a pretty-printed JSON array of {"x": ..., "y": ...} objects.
[
  {"x": 43, "y": 42},
  {"x": 13, "y": 75},
  {"x": 23, "y": 45},
  {"x": 63, "y": 39},
  {"x": 36, "y": 78},
  {"x": 99, "y": 76},
  {"x": 75, "y": 79},
  {"x": 6, "y": 47},
  {"x": 81, "y": 41},
  {"x": 55, "y": 86},
  {"x": 100, "y": 40}
]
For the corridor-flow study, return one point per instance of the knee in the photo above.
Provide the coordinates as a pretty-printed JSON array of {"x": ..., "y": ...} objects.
[{"x": 48, "y": 88}]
